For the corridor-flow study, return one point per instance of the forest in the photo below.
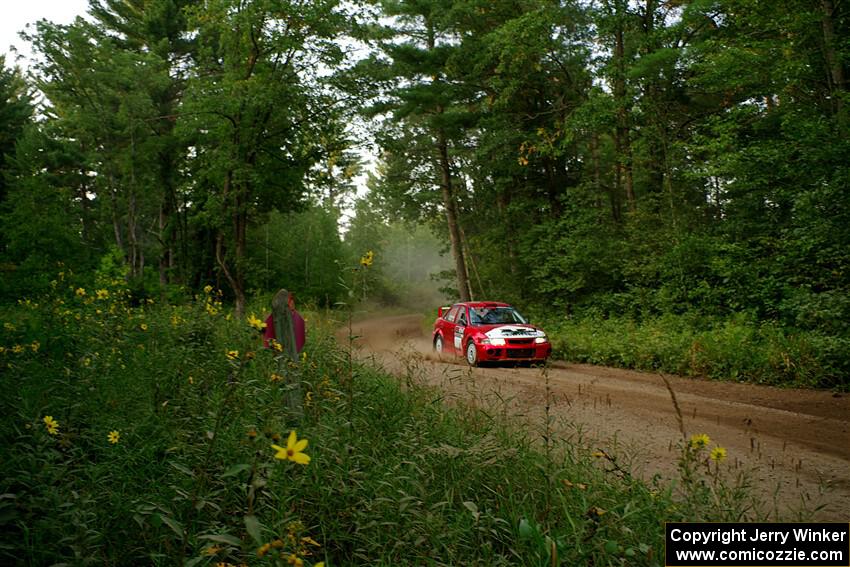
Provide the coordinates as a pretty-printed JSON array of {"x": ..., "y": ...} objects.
[
  {"x": 665, "y": 164},
  {"x": 662, "y": 185}
]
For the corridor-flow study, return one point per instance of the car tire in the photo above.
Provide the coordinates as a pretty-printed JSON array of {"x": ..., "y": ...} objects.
[
  {"x": 438, "y": 344},
  {"x": 471, "y": 354}
]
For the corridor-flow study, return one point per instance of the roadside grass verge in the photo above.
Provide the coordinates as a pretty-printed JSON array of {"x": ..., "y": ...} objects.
[
  {"x": 158, "y": 450},
  {"x": 736, "y": 349}
]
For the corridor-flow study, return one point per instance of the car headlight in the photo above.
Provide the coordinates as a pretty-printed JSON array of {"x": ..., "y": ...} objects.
[
  {"x": 497, "y": 342},
  {"x": 542, "y": 339}
]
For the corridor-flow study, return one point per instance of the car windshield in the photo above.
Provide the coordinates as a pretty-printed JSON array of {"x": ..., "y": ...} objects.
[{"x": 495, "y": 316}]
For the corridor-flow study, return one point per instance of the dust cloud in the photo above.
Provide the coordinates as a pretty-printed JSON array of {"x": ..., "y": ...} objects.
[{"x": 411, "y": 260}]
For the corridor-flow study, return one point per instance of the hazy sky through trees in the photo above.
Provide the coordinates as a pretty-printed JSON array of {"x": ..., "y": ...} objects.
[{"x": 16, "y": 15}]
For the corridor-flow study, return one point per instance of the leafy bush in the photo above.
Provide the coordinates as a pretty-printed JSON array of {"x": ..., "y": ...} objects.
[
  {"x": 144, "y": 434},
  {"x": 736, "y": 348}
]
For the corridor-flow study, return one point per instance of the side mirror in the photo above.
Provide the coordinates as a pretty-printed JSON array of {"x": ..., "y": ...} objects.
[{"x": 439, "y": 312}]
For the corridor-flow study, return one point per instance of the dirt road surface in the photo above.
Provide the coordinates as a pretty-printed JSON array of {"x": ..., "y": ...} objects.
[{"x": 793, "y": 445}]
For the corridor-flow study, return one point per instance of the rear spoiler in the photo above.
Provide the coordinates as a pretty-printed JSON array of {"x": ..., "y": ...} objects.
[{"x": 442, "y": 310}]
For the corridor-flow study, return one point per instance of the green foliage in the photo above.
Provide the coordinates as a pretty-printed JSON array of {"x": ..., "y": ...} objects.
[
  {"x": 16, "y": 107},
  {"x": 40, "y": 220},
  {"x": 612, "y": 160},
  {"x": 169, "y": 131},
  {"x": 143, "y": 434},
  {"x": 577, "y": 258},
  {"x": 737, "y": 349},
  {"x": 667, "y": 180},
  {"x": 298, "y": 251},
  {"x": 640, "y": 163},
  {"x": 112, "y": 267},
  {"x": 406, "y": 257}
]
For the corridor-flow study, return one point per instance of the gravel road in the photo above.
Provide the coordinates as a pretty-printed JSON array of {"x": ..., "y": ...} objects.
[{"x": 794, "y": 445}]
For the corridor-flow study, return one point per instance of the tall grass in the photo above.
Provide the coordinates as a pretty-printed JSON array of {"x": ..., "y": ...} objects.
[
  {"x": 395, "y": 476},
  {"x": 737, "y": 349}
]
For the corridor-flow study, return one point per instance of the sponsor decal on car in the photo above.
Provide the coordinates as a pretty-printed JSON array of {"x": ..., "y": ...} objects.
[{"x": 510, "y": 331}]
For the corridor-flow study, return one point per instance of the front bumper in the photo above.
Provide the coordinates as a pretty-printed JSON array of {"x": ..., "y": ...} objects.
[{"x": 495, "y": 353}]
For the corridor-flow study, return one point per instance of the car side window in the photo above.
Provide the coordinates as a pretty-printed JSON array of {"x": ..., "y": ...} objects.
[
  {"x": 461, "y": 320},
  {"x": 452, "y": 314}
]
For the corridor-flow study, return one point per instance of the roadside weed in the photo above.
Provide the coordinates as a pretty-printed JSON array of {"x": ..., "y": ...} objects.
[{"x": 148, "y": 433}]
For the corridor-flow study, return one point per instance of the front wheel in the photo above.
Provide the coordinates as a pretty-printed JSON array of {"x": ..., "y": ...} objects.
[{"x": 471, "y": 354}]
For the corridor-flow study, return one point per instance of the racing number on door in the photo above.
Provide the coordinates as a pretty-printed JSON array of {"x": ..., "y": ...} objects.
[{"x": 461, "y": 325}]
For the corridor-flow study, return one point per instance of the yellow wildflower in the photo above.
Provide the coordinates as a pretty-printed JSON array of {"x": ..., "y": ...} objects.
[
  {"x": 263, "y": 549},
  {"x": 208, "y": 289},
  {"x": 81, "y": 292},
  {"x": 293, "y": 450},
  {"x": 113, "y": 437},
  {"x": 51, "y": 424},
  {"x": 143, "y": 326},
  {"x": 212, "y": 550},
  {"x": 275, "y": 377},
  {"x": 256, "y": 323},
  {"x": 718, "y": 454},
  {"x": 191, "y": 380},
  {"x": 294, "y": 560},
  {"x": 699, "y": 441},
  {"x": 367, "y": 259},
  {"x": 102, "y": 294},
  {"x": 17, "y": 349},
  {"x": 233, "y": 355},
  {"x": 8, "y": 326}
]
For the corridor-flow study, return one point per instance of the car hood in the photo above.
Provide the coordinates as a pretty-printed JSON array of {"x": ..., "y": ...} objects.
[{"x": 511, "y": 331}]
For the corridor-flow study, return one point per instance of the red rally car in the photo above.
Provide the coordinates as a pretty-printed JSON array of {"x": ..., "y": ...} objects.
[{"x": 488, "y": 331}]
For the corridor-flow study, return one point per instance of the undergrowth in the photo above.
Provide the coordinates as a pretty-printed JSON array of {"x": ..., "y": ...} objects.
[
  {"x": 141, "y": 433},
  {"x": 735, "y": 349}
]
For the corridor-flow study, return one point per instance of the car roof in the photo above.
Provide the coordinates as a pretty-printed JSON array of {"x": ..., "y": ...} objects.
[{"x": 477, "y": 304}]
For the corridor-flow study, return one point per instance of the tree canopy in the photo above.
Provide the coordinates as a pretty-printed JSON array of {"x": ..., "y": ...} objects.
[{"x": 604, "y": 158}]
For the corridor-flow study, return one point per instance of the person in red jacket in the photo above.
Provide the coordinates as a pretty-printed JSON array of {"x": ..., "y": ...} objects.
[{"x": 297, "y": 323}]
